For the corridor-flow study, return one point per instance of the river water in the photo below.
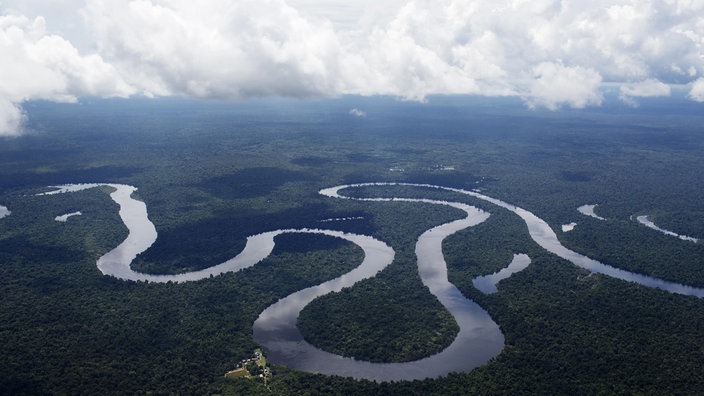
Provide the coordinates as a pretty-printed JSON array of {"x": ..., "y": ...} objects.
[
  {"x": 588, "y": 210},
  {"x": 64, "y": 218},
  {"x": 487, "y": 283},
  {"x": 478, "y": 340},
  {"x": 544, "y": 236},
  {"x": 646, "y": 222},
  {"x": 4, "y": 211}
]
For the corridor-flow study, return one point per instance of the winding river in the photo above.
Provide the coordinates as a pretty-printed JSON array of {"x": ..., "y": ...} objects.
[
  {"x": 544, "y": 236},
  {"x": 64, "y": 218},
  {"x": 588, "y": 210},
  {"x": 479, "y": 338},
  {"x": 645, "y": 220},
  {"x": 487, "y": 283}
]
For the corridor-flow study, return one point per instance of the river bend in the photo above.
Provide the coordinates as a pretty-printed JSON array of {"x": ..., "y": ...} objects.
[
  {"x": 544, "y": 236},
  {"x": 478, "y": 340}
]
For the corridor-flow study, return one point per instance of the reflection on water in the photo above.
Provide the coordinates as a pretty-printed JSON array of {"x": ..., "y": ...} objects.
[
  {"x": 4, "y": 211},
  {"x": 544, "y": 236},
  {"x": 568, "y": 227},
  {"x": 487, "y": 283},
  {"x": 646, "y": 221},
  {"x": 64, "y": 218},
  {"x": 478, "y": 340},
  {"x": 588, "y": 210}
]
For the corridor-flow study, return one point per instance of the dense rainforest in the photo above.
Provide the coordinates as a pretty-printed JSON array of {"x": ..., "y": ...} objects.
[{"x": 214, "y": 173}]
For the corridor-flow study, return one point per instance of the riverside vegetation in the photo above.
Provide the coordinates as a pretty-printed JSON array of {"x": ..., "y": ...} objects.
[{"x": 219, "y": 172}]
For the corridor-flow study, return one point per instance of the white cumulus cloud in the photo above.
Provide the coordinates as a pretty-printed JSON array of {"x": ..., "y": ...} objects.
[
  {"x": 555, "y": 84},
  {"x": 552, "y": 53},
  {"x": 697, "y": 91},
  {"x": 217, "y": 48},
  {"x": 358, "y": 113},
  {"x": 11, "y": 118},
  {"x": 38, "y": 65},
  {"x": 646, "y": 88}
]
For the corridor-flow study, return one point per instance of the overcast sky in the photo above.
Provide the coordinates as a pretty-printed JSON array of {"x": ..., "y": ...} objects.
[{"x": 551, "y": 53}]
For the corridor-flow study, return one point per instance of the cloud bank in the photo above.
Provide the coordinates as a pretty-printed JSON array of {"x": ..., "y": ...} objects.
[
  {"x": 38, "y": 65},
  {"x": 697, "y": 92},
  {"x": 551, "y": 53},
  {"x": 643, "y": 89}
]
